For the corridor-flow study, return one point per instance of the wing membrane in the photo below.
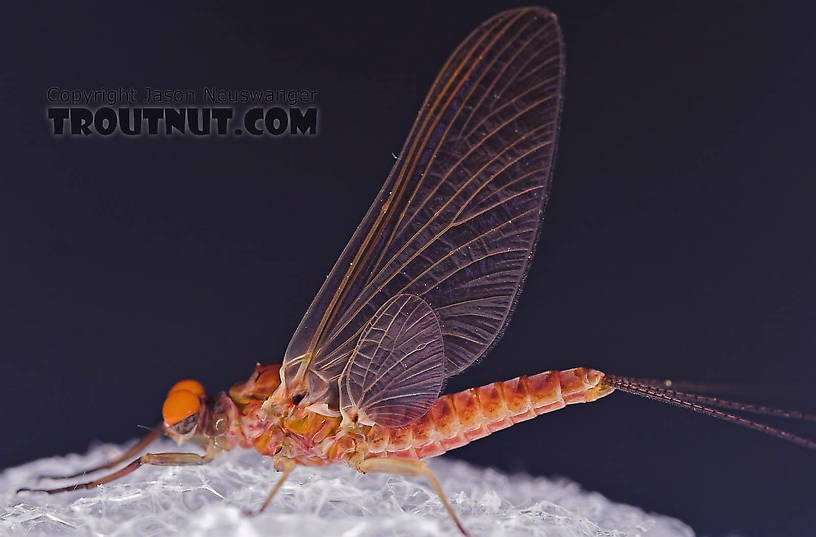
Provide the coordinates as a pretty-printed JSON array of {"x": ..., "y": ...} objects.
[
  {"x": 457, "y": 219},
  {"x": 398, "y": 367}
]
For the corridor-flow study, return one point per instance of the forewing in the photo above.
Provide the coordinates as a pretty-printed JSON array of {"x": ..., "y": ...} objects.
[
  {"x": 397, "y": 368},
  {"x": 457, "y": 219}
]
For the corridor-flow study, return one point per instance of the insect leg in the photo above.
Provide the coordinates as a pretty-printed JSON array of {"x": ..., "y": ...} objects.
[
  {"x": 284, "y": 465},
  {"x": 153, "y": 435},
  {"x": 411, "y": 468},
  {"x": 157, "y": 459}
]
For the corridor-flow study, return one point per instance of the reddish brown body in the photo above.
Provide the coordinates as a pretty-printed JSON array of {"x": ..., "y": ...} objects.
[
  {"x": 311, "y": 438},
  {"x": 459, "y": 418}
]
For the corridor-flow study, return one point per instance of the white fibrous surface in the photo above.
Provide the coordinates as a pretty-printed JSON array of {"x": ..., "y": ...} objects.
[{"x": 326, "y": 502}]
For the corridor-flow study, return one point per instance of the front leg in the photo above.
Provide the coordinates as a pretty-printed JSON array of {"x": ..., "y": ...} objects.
[
  {"x": 156, "y": 459},
  {"x": 410, "y": 467}
]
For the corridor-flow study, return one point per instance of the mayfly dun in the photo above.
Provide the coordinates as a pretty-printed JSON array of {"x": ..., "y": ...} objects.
[{"x": 424, "y": 288}]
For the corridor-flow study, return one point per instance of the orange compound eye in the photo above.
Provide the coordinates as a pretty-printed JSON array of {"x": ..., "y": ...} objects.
[
  {"x": 190, "y": 385},
  {"x": 180, "y": 405}
]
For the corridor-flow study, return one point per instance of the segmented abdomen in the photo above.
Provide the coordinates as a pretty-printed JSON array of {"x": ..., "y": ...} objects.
[{"x": 459, "y": 418}]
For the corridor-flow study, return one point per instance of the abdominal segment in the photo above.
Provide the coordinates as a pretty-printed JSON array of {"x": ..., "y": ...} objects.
[{"x": 460, "y": 418}]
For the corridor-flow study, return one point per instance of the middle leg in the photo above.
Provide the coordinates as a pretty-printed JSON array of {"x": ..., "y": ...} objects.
[{"x": 285, "y": 466}]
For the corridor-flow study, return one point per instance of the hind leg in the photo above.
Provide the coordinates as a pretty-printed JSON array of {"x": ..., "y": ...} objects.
[{"x": 410, "y": 468}]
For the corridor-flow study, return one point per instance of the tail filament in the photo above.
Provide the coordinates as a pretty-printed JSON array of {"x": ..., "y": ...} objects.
[{"x": 706, "y": 405}]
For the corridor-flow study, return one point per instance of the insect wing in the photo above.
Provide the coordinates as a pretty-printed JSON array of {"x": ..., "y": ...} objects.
[
  {"x": 397, "y": 369},
  {"x": 457, "y": 219}
]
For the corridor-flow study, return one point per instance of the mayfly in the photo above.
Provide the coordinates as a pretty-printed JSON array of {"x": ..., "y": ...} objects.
[{"x": 424, "y": 288}]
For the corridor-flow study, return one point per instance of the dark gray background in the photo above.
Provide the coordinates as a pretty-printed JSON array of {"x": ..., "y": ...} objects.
[{"x": 678, "y": 242}]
